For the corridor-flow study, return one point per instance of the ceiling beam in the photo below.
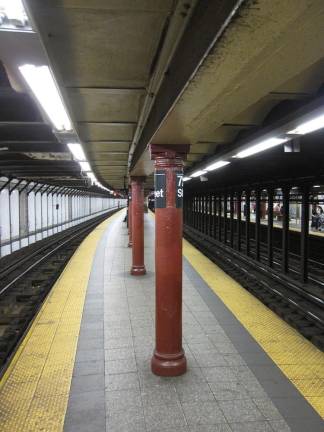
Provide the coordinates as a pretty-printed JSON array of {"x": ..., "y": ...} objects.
[
  {"x": 82, "y": 122},
  {"x": 108, "y": 90},
  {"x": 28, "y": 131},
  {"x": 211, "y": 16},
  {"x": 21, "y": 123},
  {"x": 32, "y": 146}
]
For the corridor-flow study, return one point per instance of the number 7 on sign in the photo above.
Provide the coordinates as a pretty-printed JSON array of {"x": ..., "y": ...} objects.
[{"x": 179, "y": 195}]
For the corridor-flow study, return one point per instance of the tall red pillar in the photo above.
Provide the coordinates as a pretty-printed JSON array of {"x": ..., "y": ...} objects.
[
  {"x": 169, "y": 357},
  {"x": 130, "y": 217},
  {"x": 138, "y": 267}
]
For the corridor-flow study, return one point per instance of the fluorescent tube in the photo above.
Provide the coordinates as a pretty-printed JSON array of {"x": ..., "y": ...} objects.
[
  {"x": 92, "y": 176},
  {"x": 198, "y": 173},
  {"x": 41, "y": 82},
  {"x": 14, "y": 14},
  {"x": 186, "y": 178},
  {"x": 261, "y": 146},
  {"x": 85, "y": 166},
  {"x": 77, "y": 151},
  {"x": 309, "y": 126},
  {"x": 216, "y": 165}
]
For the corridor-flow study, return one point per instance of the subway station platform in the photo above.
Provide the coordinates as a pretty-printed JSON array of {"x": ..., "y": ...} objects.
[{"x": 85, "y": 363}]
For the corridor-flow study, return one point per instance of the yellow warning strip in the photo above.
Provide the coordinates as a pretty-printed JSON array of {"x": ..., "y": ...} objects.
[
  {"x": 299, "y": 360},
  {"x": 35, "y": 389}
]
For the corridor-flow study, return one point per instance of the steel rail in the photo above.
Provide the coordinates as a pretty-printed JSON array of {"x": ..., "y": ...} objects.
[
  {"x": 69, "y": 237},
  {"x": 260, "y": 268}
]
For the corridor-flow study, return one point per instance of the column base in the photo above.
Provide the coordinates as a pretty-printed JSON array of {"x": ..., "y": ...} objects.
[
  {"x": 169, "y": 365},
  {"x": 138, "y": 270}
]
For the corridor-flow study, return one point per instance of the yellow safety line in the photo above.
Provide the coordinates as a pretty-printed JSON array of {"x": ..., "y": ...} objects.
[
  {"x": 34, "y": 390},
  {"x": 299, "y": 360}
]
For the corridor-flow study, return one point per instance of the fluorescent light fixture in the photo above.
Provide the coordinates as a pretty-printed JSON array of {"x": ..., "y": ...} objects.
[
  {"x": 261, "y": 146},
  {"x": 216, "y": 165},
  {"x": 92, "y": 176},
  {"x": 77, "y": 151},
  {"x": 186, "y": 178},
  {"x": 198, "y": 173},
  {"x": 13, "y": 15},
  {"x": 13, "y": 9},
  {"x": 95, "y": 181},
  {"x": 85, "y": 166},
  {"x": 309, "y": 126},
  {"x": 42, "y": 83},
  {"x": 317, "y": 186}
]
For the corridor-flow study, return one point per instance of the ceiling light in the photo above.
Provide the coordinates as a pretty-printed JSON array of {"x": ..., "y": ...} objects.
[
  {"x": 216, "y": 165},
  {"x": 186, "y": 178},
  {"x": 198, "y": 173},
  {"x": 85, "y": 166},
  {"x": 317, "y": 186},
  {"x": 261, "y": 146},
  {"x": 12, "y": 8},
  {"x": 13, "y": 15},
  {"x": 309, "y": 126},
  {"x": 41, "y": 82},
  {"x": 92, "y": 176},
  {"x": 77, "y": 151}
]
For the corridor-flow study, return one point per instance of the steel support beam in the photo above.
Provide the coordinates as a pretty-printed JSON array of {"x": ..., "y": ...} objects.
[
  {"x": 247, "y": 222},
  {"x": 285, "y": 230},
  {"x": 239, "y": 220},
  {"x": 304, "y": 239},
  {"x": 257, "y": 223},
  {"x": 270, "y": 226}
]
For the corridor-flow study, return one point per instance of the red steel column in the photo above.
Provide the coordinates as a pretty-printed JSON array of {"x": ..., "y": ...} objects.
[
  {"x": 169, "y": 357},
  {"x": 130, "y": 242},
  {"x": 138, "y": 267}
]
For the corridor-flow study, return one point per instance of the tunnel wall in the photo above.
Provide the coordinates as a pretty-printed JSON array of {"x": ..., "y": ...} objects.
[{"x": 29, "y": 214}]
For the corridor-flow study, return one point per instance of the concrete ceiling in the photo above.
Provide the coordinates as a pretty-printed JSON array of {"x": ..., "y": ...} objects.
[
  {"x": 270, "y": 52},
  {"x": 103, "y": 53}
]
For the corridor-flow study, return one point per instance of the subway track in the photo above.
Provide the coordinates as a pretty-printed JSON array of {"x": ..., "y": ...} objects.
[
  {"x": 290, "y": 299},
  {"x": 27, "y": 278},
  {"x": 315, "y": 283},
  {"x": 316, "y": 269},
  {"x": 315, "y": 261}
]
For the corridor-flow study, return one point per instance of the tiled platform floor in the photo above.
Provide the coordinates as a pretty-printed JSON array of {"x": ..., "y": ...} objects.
[{"x": 113, "y": 388}]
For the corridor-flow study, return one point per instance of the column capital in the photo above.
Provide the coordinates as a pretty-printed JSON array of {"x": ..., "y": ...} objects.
[
  {"x": 137, "y": 179},
  {"x": 169, "y": 151}
]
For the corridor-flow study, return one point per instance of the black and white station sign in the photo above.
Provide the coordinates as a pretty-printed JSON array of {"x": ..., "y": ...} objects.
[{"x": 160, "y": 189}]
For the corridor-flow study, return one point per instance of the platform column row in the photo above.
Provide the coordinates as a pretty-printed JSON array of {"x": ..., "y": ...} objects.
[
  {"x": 137, "y": 223},
  {"x": 168, "y": 357}
]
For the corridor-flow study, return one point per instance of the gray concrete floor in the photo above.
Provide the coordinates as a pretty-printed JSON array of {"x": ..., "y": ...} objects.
[{"x": 113, "y": 388}]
